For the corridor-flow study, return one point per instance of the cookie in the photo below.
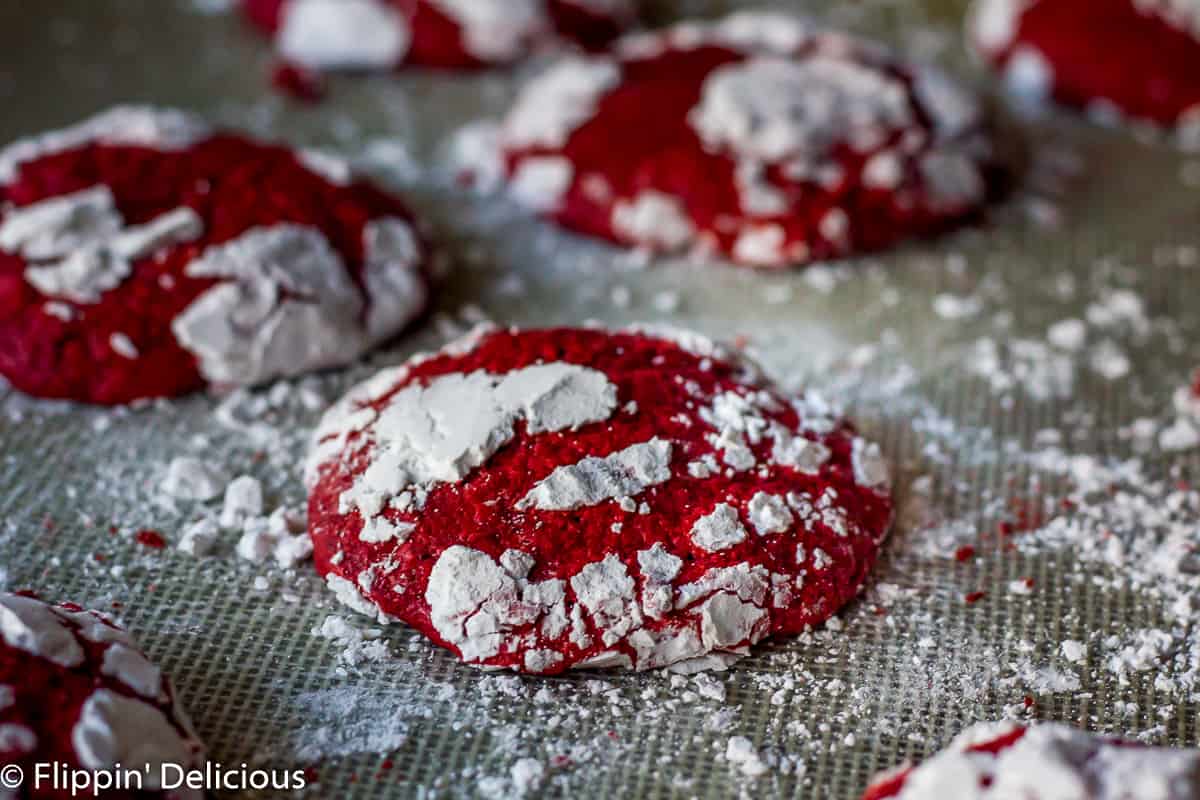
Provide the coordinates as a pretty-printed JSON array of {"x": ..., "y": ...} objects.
[
  {"x": 143, "y": 254},
  {"x": 385, "y": 34},
  {"x": 76, "y": 691},
  {"x": 760, "y": 137},
  {"x": 1046, "y": 761},
  {"x": 1133, "y": 58},
  {"x": 571, "y": 498}
]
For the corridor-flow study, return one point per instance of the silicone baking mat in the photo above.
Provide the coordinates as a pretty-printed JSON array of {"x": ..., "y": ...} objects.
[{"x": 940, "y": 351}]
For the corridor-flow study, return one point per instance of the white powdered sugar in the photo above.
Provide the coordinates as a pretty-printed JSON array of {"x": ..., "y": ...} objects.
[
  {"x": 1052, "y": 762},
  {"x": 1183, "y": 14},
  {"x": 243, "y": 499},
  {"x": 719, "y": 530},
  {"x": 606, "y": 589},
  {"x": 659, "y": 569},
  {"x": 288, "y": 304},
  {"x": 33, "y": 626},
  {"x": 870, "y": 467},
  {"x": 78, "y": 245},
  {"x": 140, "y": 126},
  {"x": 396, "y": 287},
  {"x": 440, "y": 431},
  {"x": 16, "y": 740},
  {"x": 53, "y": 228},
  {"x": 769, "y": 514},
  {"x": 626, "y": 473},
  {"x": 359, "y": 646},
  {"x": 190, "y": 478},
  {"x": 740, "y": 752},
  {"x": 559, "y": 100},
  {"x": 116, "y": 730},
  {"x": 134, "y": 670},
  {"x": 473, "y": 602},
  {"x": 772, "y": 32},
  {"x": 496, "y": 30},
  {"x": 343, "y": 34},
  {"x": 1183, "y": 433},
  {"x": 654, "y": 219},
  {"x": 541, "y": 183},
  {"x": 199, "y": 538},
  {"x": 770, "y": 109},
  {"x": 727, "y": 622},
  {"x": 994, "y": 22},
  {"x": 247, "y": 330}
]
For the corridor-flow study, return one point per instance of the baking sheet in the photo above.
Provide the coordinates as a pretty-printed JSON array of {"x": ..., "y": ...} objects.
[{"x": 904, "y": 669}]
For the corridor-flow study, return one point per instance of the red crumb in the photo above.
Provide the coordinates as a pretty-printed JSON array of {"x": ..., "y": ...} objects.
[
  {"x": 298, "y": 83},
  {"x": 150, "y": 538}
]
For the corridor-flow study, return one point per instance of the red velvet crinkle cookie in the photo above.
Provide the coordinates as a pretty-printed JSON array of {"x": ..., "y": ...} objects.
[
  {"x": 1134, "y": 58},
  {"x": 1001, "y": 761},
  {"x": 76, "y": 691},
  {"x": 385, "y": 34},
  {"x": 549, "y": 499},
  {"x": 144, "y": 255},
  {"x": 760, "y": 137}
]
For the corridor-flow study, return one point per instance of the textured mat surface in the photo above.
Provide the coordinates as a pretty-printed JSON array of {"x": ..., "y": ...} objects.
[{"x": 940, "y": 350}]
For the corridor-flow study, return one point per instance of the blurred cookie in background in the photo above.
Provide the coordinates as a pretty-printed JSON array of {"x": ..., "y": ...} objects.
[
  {"x": 325, "y": 35},
  {"x": 76, "y": 692},
  {"x": 763, "y": 138},
  {"x": 1137, "y": 59},
  {"x": 145, "y": 254}
]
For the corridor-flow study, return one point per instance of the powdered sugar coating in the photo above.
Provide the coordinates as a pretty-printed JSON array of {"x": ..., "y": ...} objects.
[
  {"x": 761, "y": 140},
  {"x": 143, "y": 126},
  {"x": 289, "y": 305},
  {"x": 1136, "y": 58},
  {"x": 1045, "y": 761},
  {"x": 81, "y": 690},
  {"x": 343, "y": 34},
  {"x": 559, "y": 525},
  {"x": 385, "y": 34},
  {"x": 244, "y": 285}
]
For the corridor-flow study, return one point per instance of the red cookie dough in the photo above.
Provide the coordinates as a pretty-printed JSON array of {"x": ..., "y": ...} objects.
[
  {"x": 385, "y": 34},
  {"x": 549, "y": 499},
  {"x": 76, "y": 691},
  {"x": 1000, "y": 761},
  {"x": 144, "y": 255},
  {"x": 1139, "y": 58},
  {"x": 761, "y": 137}
]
